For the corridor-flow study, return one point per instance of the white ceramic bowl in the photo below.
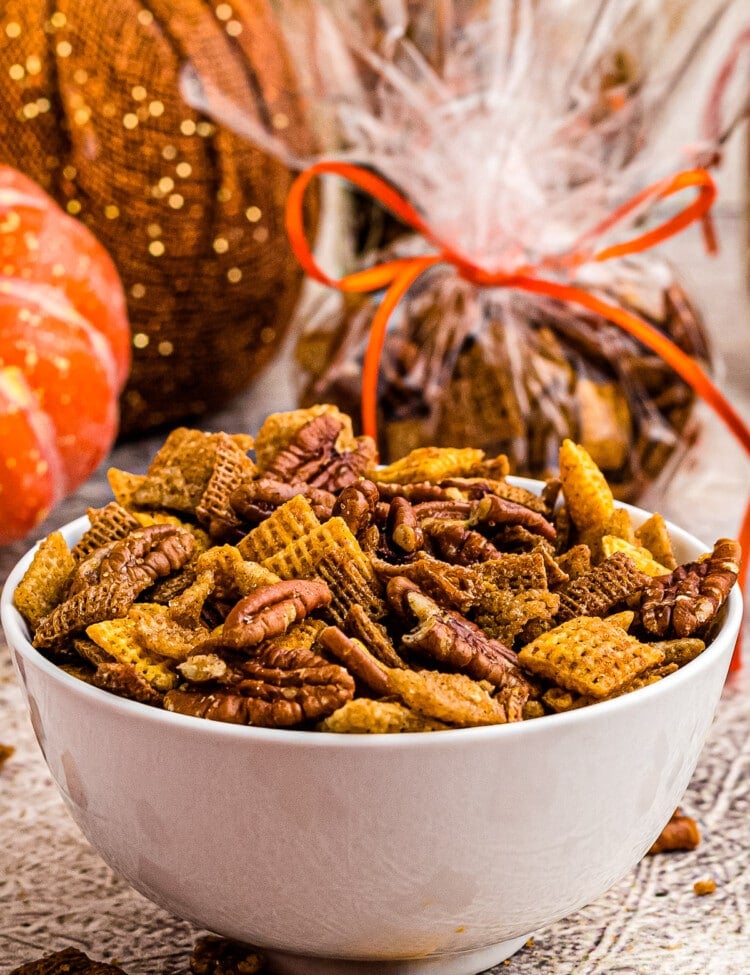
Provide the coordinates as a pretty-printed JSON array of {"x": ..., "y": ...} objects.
[{"x": 421, "y": 854}]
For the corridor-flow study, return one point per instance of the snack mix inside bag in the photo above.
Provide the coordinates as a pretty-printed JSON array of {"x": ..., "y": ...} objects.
[
  {"x": 293, "y": 582},
  {"x": 520, "y": 138}
]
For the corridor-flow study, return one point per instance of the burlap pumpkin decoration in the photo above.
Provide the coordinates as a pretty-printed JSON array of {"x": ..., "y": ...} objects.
[{"x": 191, "y": 213}]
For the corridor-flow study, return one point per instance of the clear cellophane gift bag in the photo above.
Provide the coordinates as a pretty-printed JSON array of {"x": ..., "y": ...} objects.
[{"x": 521, "y": 139}]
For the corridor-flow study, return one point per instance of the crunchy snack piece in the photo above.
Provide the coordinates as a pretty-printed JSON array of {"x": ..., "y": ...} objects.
[
  {"x": 354, "y": 655},
  {"x": 600, "y": 589},
  {"x": 45, "y": 581},
  {"x": 158, "y": 633},
  {"x": 452, "y": 586},
  {"x": 364, "y": 716},
  {"x": 513, "y": 572},
  {"x": 453, "y": 542},
  {"x": 69, "y": 961},
  {"x": 624, "y": 618},
  {"x": 588, "y": 497},
  {"x": 360, "y": 625},
  {"x": 108, "y": 524},
  {"x": 232, "y": 467},
  {"x": 589, "y": 656},
  {"x": 505, "y": 615},
  {"x": 92, "y": 605},
  {"x": 280, "y": 429},
  {"x": 290, "y": 521},
  {"x": 430, "y": 464},
  {"x": 620, "y": 525},
  {"x": 137, "y": 560},
  {"x": 642, "y": 558},
  {"x": 212, "y": 955},
  {"x": 575, "y": 562},
  {"x": 89, "y": 651},
  {"x": 312, "y": 456},
  {"x": 179, "y": 473},
  {"x": 653, "y": 535},
  {"x": 124, "y": 486},
  {"x": 126, "y": 680},
  {"x": 680, "y": 651},
  {"x": 681, "y": 833},
  {"x": 332, "y": 552},
  {"x": 233, "y": 575},
  {"x": 202, "y": 668},
  {"x": 687, "y": 600},
  {"x": 119, "y": 638},
  {"x": 493, "y": 511},
  {"x": 455, "y": 698}
]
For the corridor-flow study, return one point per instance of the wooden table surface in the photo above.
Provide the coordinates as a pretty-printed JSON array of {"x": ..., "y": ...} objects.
[{"x": 56, "y": 892}]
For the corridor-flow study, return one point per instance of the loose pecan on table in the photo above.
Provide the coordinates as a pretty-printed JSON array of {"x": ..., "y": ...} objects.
[{"x": 680, "y": 833}]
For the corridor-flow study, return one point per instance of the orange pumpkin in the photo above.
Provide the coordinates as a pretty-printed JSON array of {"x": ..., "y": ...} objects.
[{"x": 64, "y": 354}]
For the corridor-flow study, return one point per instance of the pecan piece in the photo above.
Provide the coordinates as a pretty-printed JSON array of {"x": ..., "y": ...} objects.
[
  {"x": 256, "y": 500},
  {"x": 453, "y": 542},
  {"x": 449, "y": 638},
  {"x": 688, "y": 599},
  {"x": 419, "y": 493},
  {"x": 148, "y": 554},
  {"x": 680, "y": 833},
  {"x": 493, "y": 510},
  {"x": 452, "y": 586},
  {"x": 598, "y": 591},
  {"x": 357, "y": 505},
  {"x": 312, "y": 456},
  {"x": 280, "y": 688},
  {"x": 402, "y": 526},
  {"x": 271, "y": 610}
]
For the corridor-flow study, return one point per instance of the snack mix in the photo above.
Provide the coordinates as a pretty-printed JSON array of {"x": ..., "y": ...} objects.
[{"x": 289, "y": 581}]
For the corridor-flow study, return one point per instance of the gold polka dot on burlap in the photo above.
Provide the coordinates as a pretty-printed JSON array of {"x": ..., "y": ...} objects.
[{"x": 191, "y": 213}]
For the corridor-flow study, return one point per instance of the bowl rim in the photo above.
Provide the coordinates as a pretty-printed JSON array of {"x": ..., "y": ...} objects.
[{"x": 16, "y": 634}]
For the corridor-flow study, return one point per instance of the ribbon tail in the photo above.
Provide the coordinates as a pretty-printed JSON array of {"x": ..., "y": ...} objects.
[{"x": 378, "y": 328}]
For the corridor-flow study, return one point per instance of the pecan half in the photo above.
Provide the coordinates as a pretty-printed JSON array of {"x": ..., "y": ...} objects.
[
  {"x": 453, "y": 542},
  {"x": 271, "y": 610},
  {"x": 402, "y": 527},
  {"x": 137, "y": 560},
  {"x": 357, "y": 659},
  {"x": 688, "y": 599},
  {"x": 449, "y": 638},
  {"x": 312, "y": 456},
  {"x": 357, "y": 505},
  {"x": 493, "y": 510},
  {"x": 279, "y": 688},
  {"x": 256, "y": 500}
]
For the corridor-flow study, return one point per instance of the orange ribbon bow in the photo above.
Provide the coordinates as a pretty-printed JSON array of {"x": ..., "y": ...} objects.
[{"x": 397, "y": 277}]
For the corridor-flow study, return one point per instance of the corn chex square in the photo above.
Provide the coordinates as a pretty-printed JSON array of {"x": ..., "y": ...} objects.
[{"x": 588, "y": 655}]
